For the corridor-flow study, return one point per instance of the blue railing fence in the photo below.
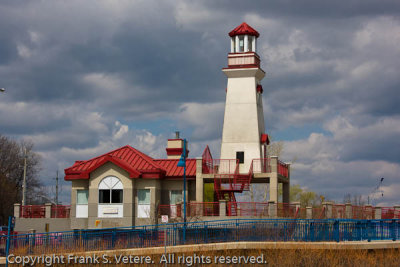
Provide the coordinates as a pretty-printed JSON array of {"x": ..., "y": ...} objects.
[{"x": 308, "y": 230}]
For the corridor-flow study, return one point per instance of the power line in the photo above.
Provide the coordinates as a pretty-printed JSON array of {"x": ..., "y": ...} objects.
[{"x": 377, "y": 190}]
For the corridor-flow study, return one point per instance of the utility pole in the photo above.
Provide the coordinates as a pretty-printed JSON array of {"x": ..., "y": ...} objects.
[
  {"x": 57, "y": 188},
  {"x": 24, "y": 181}
]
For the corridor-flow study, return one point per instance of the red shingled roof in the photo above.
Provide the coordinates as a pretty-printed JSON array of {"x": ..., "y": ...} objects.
[
  {"x": 136, "y": 163},
  {"x": 242, "y": 29},
  {"x": 170, "y": 165}
]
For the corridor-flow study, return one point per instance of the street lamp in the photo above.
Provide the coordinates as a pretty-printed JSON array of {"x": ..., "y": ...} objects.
[
  {"x": 2, "y": 90},
  {"x": 182, "y": 163}
]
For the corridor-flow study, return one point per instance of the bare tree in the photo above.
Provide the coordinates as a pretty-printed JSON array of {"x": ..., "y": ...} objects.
[
  {"x": 11, "y": 174},
  {"x": 355, "y": 199},
  {"x": 275, "y": 149}
]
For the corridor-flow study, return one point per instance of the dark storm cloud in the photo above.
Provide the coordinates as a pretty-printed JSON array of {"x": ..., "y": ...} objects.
[
  {"x": 74, "y": 69},
  {"x": 312, "y": 8},
  {"x": 158, "y": 57}
]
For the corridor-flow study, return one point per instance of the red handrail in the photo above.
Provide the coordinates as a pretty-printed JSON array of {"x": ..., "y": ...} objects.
[
  {"x": 60, "y": 211},
  {"x": 283, "y": 169},
  {"x": 33, "y": 211}
]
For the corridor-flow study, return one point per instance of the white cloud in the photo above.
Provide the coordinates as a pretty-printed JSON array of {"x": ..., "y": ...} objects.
[
  {"x": 35, "y": 37},
  {"x": 383, "y": 32},
  {"x": 89, "y": 70},
  {"x": 23, "y": 51},
  {"x": 205, "y": 118},
  {"x": 121, "y": 130},
  {"x": 194, "y": 15},
  {"x": 338, "y": 163}
]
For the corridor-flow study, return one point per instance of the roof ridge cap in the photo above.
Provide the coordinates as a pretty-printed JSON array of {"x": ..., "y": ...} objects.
[
  {"x": 174, "y": 159},
  {"x": 102, "y": 155}
]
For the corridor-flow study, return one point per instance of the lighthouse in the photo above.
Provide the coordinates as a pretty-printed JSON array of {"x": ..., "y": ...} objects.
[{"x": 243, "y": 134}]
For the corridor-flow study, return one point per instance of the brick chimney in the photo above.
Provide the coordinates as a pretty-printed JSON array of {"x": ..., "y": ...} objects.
[{"x": 175, "y": 147}]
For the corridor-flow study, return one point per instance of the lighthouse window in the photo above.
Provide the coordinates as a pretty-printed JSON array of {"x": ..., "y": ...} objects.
[
  {"x": 241, "y": 43},
  {"x": 240, "y": 156}
]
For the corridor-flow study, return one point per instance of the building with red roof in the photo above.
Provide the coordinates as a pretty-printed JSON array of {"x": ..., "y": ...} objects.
[{"x": 126, "y": 187}]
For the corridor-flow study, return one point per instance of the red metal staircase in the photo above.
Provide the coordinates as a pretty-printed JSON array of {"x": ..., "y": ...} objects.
[{"x": 227, "y": 179}]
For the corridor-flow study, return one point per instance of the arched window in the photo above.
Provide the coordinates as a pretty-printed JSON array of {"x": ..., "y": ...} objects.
[{"x": 110, "y": 191}]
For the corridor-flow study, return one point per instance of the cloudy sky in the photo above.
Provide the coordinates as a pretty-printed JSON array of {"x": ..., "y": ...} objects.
[{"x": 85, "y": 77}]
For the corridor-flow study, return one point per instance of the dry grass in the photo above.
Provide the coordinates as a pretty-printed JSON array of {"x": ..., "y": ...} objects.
[{"x": 281, "y": 257}]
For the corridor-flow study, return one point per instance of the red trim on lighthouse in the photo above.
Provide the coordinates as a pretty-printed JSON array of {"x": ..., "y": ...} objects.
[
  {"x": 242, "y": 29},
  {"x": 259, "y": 88},
  {"x": 265, "y": 139}
]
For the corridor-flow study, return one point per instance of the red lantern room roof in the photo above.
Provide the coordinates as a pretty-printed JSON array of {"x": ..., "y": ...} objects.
[{"x": 242, "y": 29}]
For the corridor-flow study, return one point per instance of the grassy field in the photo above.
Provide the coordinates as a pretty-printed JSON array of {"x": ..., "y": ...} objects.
[{"x": 269, "y": 257}]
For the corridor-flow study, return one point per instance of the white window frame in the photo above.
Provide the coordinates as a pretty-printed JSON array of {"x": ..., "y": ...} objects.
[
  {"x": 143, "y": 209},
  {"x": 110, "y": 210},
  {"x": 81, "y": 208}
]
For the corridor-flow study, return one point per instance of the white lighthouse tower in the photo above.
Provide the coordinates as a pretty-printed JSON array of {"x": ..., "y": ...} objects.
[{"x": 243, "y": 135}]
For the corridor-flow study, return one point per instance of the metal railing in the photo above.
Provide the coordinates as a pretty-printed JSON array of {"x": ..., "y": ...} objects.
[
  {"x": 39, "y": 211},
  {"x": 286, "y": 210},
  {"x": 194, "y": 209},
  {"x": 339, "y": 211},
  {"x": 256, "y": 209},
  {"x": 261, "y": 165},
  {"x": 221, "y": 166},
  {"x": 33, "y": 211},
  {"x": 302, "y": 213},
  {"x": 207, "y": 232},
  {"x": 363, "y": 212},
  {"x": 318, "y": 212},
  {"x": 60, "y": 211},
  {"x": 283, "y": 169},
  {"x": 230, "y": 166},
  {"x": 203, "y": 209},
  {"x": 283, "y": 210},
  {"x": 390, "y": 213}
]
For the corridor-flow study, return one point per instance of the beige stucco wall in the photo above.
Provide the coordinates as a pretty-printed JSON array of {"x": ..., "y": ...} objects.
[
  {"x": 167, "y": 186},
  {"x": 39, "y": 224},
  {"x": 77, "y": 223},
  {"x": 155, "y": 196},
  {"x": 110, "y": 169}
]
